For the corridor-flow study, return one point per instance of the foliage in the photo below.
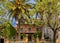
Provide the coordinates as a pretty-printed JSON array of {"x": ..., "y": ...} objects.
[
  {"x": 38, "y": 34},
  {"x": 39, "y": 23},
  {"x": 8, "y": 30},
  {"x": 20, "y": 10},
  {"x": 17, "y": 9},
  {"x": 24, "y": 35},
  {"x": 50, "y": 10},
  {"x": 46, "y": 38}
]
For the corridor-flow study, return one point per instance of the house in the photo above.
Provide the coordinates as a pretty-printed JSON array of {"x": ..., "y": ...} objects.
[{"x": 26, "y": 33}]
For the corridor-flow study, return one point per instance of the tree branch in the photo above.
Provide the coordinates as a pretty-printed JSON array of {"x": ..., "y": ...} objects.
[
  {"x": 54, "y": 24},
  {"x": 50, "y": 26},
  {"x": 49, "y": 15},
  {"x": 58, "y": 28}
]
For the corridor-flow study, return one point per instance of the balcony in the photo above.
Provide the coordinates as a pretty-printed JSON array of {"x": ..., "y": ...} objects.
[{"x": 26, "y": 31}]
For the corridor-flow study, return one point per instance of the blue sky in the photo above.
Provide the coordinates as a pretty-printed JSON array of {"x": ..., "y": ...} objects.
[
  {"x": 14, "y": 22},
  {"x": 32, "y": 1}
]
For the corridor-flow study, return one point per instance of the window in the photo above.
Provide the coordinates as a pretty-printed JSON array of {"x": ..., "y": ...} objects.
[
  {"x": 21, "y": 37},
  {"x": 29, "y": 29},
  {"x": 37, "y": 29},
  {"x": 21, "y": 29},
  {"x": 14, "y": 37}
]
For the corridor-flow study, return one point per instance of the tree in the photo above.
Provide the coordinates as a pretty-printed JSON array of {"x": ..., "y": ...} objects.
[
  {"x": 53, "y": 19},
  {"x": 39, "y": 9},
  {"x": 47, "y": 9},
  {"x": 19, "y": 10},
  {"x": 49, "y": 12},
  {"x": 38, "y": 34},
  {"x": 7, "y": 31}
]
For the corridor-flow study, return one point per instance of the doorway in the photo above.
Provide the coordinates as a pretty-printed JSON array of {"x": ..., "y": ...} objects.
[
  {"x": 29, "y": 37},
  {"x": 1, "y": 40}
]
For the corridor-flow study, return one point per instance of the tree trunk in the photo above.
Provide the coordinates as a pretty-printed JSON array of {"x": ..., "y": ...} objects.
[
  {"x": 18, "y": 29},
  {"x": 6, "y": 40},
  {"x": 54, "y": 37},
  {"x": 42, "y": 33}
]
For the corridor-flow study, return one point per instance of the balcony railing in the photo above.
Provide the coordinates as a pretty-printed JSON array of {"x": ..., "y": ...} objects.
[{"x": 26, "y": 31}]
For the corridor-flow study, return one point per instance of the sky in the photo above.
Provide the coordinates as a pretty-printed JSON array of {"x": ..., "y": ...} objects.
[
  {"x": 32, "y": 1},
  {"x": 14, "y": 22}
]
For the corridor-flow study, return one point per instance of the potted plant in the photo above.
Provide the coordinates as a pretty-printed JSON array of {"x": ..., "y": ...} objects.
[{"x": 37, "y": 34}]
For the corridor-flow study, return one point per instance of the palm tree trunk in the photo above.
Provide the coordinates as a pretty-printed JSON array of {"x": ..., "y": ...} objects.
[{"x": 18, "y": 35}]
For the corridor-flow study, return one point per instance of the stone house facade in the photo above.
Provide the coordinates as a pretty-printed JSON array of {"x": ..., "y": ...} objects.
[{"x": 28, "y": 31}]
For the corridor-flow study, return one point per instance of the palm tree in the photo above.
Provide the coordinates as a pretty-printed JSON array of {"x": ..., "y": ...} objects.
[{"x": 20, "y": 11}]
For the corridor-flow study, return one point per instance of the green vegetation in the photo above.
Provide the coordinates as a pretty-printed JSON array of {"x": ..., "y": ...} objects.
[
  {"x": 37, "y": 34},
  {"x": 47, "y": 38},
  {"x": 7, "y": 30},
  {"x": 24, "y": 35},
  {"x": 49, "y": 11}
]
